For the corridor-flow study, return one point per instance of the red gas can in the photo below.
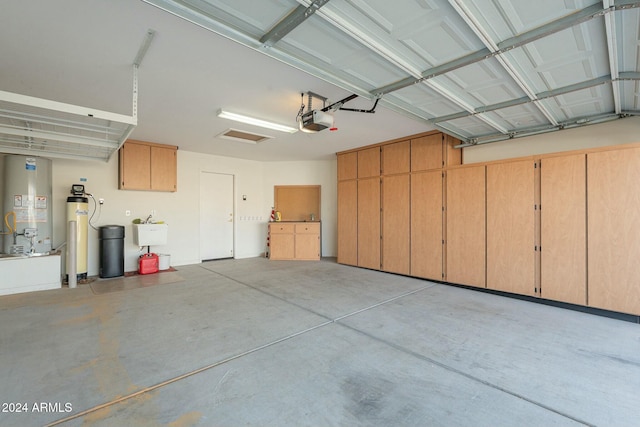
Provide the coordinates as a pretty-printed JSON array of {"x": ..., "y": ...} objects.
[{"x": 148, "y": 263}]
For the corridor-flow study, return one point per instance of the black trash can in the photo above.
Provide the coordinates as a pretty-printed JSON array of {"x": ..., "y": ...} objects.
[{"x": 111, "y": 250}]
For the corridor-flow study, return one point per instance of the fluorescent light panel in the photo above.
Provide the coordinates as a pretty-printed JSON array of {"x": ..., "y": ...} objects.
[{"x": 256, "y": 122}]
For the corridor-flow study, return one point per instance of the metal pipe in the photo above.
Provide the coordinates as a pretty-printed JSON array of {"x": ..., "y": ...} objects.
[{"x": 72, "y": 253}]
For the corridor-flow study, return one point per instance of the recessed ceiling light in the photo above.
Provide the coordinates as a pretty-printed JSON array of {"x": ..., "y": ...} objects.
[{"x": 256, "y": 122}]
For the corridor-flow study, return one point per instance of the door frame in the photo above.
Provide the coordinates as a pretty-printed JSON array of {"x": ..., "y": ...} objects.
[{"x": 233, "y": 207}]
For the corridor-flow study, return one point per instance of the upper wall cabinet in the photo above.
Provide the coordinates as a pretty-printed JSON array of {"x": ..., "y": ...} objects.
[
  {"x": 347, "y": 166},
  {"x": 148, "y": 166},
  {"x": 434, "y": 152},
  {"x": 396, "y": 158},
  {"x": 369, "y": 162},
  {"x": 426, "y": 153}
]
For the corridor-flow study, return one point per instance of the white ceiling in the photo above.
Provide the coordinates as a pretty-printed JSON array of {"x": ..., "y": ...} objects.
[{"x": 481, "y": 70}]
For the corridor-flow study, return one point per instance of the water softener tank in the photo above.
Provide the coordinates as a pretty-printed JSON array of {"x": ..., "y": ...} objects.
[
  {"x": 27, "y": 198},
  {"x": 78, "y": 211}
]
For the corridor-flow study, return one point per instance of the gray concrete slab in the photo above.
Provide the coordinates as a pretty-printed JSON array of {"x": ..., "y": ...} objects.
[
  {"x": 258, "y": 342},
  {"x": 331, "y": 376},
  {"x": 578, "y": 364},
  {"x": 93, "y": 349},
  {"x": 330, "y": 292}
]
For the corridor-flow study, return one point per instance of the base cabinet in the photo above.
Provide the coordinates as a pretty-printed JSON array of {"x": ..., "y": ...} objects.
[{"x": 294, "y": 241}]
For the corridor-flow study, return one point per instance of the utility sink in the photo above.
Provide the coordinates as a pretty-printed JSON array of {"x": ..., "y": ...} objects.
[{"x": 150, "y": 234}]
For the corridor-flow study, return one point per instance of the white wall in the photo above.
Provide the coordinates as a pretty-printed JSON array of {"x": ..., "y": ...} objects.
[
  {"x": 181, "y": 210},
  {"x": 612, "y": 133}
]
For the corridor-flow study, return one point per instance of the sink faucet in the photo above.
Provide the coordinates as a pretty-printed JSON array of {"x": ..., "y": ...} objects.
[{"x": 146, "y": 221}]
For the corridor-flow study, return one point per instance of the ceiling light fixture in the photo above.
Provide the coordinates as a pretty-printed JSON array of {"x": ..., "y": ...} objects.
[{"x": 256, "y": 122}]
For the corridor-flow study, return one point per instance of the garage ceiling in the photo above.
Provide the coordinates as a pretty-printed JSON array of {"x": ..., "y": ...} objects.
[{"x": 481, "y": 70}]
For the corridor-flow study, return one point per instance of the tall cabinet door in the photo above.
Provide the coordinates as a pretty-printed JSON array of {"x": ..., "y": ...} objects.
[
  {"x": 348, "y": 222},
  {"x": 369, "y": 223},
  {"x": 395, "y": 224},
  {"x": 396, "y": 161},
  {"x": 511, "y": 227},
  {"x": 426, "y": 225},
  {"x": 466, "y": 226},
  {"x": 563, "y": 271},
  {"x": 614, "y": 229}
]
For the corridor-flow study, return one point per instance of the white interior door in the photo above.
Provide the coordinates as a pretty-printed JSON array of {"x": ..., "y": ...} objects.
[{"x": 216, "y": 216}]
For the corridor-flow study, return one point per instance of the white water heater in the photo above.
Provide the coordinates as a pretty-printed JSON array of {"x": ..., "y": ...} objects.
[{"x": 27, "y": 204}]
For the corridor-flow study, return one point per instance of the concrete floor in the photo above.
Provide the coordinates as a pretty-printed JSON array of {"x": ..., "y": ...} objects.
[{"x": 278, "y": 343}]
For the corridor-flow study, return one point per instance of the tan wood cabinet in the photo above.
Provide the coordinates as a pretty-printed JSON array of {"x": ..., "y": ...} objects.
[
  {"x": 396, "y": 231},
  {"x": 348, "y": 166},
  {"x": 426, "y": 152},
  {"x": 307, "y": 240},
  {"x": 282, "y": 240},
  {"x": 511, "y": 242},
  {"x": 294, "y": 240},
  {"x": 147, "y": 166},
  {"x": 614, "y": 229},
  {"x": 395, "y": 220},
  {"x": 369, "y": 223},
  {"x": 426, "y": 225},
  {"x": 348, "y": 222},
  {"x": 563, "y": 229},
  {"x": 369, "y": 162},
  {"x": 465, "y": 230},
  {"x": 381, "y": 216},
  {"x": 434, "y": 151},
  {"x": 396, "y": 158}
]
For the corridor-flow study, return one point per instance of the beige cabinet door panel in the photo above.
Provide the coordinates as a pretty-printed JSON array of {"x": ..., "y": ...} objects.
[
  {"x": 426, "y": 225},
  {"x": 563, "y": 270},
  {"x": 135, "y": 166},
  {"x": 348, "y": 222},
  {"x": 396, "y": 236},
  {"x": 369, "y": 162},
  {"x": 396, "y": 158},
  {"x": 282, "y": 246},
  {"x": 466, "y": 226},
  {"x": 163, "y": 169},
  {"x": 614, "y": 229},
  {"x": 511, "y": 227},
  {"x": 426, "y": 153},
  {"x": 369, "y": 223},
  {"x": 307, "y": 246},
  {"x": 347, "y": 166}
]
